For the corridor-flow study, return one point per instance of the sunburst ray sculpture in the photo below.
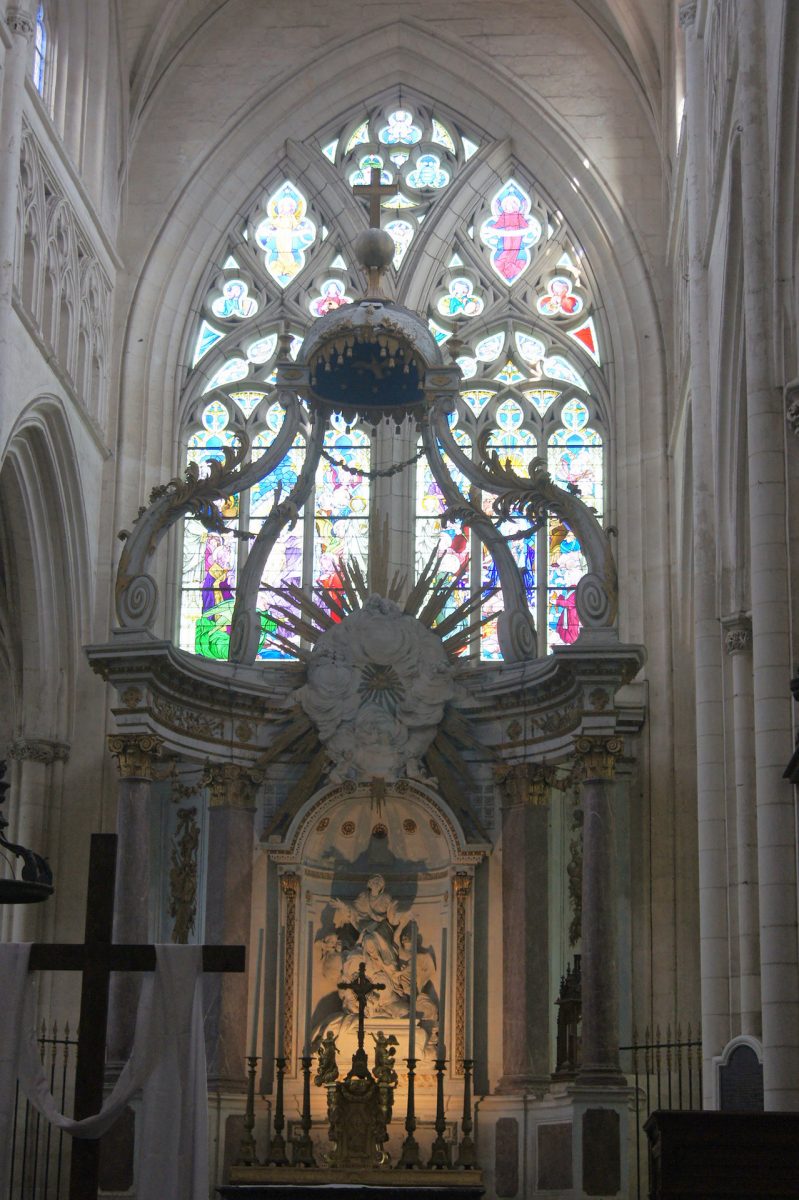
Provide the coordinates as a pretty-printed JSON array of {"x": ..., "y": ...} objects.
[{"x": 375, "y": 703}]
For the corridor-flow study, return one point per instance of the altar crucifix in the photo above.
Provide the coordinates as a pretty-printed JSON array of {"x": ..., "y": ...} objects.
[
  {"x": 363, "y": 988},
  {"x": 96, "y": 958}
]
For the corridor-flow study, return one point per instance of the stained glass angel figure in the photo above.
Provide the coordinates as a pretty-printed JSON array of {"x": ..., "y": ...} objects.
[
  {"x": 285, "y": 233},
  {"x": 510, "y": 231}
]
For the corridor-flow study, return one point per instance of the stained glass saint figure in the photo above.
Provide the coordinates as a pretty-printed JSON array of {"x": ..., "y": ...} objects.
[
  {"x": 332, "y": 295},
  {"x": 510, "y": 231},
  {"x": 461, "y": 301},
  {"x": 285, "y": 233},
  {"x": 235, "y": 304},
  {"x": 559, "y": 299},
  {"x": 428, "y": 173},
  {"x": 400, "y": 129}
]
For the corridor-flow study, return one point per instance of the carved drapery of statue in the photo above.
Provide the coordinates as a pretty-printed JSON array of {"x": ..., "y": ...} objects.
[{"x": 373, "y": 929}]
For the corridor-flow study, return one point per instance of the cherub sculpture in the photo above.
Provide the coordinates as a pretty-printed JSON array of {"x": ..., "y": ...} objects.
[
  {"x": 327, "y": 1067},
  {"x": 385, "y": 1051}
]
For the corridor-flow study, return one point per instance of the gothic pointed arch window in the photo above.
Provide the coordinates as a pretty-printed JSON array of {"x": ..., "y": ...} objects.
[{"x": 499, "y": 275}]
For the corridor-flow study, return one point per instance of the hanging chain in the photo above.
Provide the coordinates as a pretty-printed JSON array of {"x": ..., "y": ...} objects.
[{"x": 386, "y": 473}]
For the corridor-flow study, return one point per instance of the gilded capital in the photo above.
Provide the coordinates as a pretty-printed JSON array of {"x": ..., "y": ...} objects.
[
  {"x": 596, "y": 756},
  {"x": 462, "y": 884},
  {"x": 230, "y": 785},
  {"x": 526, "y": 782},
  {"x": 290, "y": 883},
  {"x": 135, "y": 753}
]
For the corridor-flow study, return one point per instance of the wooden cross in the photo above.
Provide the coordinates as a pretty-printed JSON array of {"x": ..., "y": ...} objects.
[
  {"x": 362, "y": 987},
  {"x": 96, "y": 957},
  {"x": 374, "y": 191}
]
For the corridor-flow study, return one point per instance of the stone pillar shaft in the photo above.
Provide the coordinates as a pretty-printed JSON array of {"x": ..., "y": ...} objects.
[
  {"x": 711, "y": 799},
  {"x": 738, "y": 643},
  {"x": 228, "y": 901},
  {"x": 135, "y": 754},
  {"x": 600, "y": 989},
  {"x": 525, "y": 925},
  {"x": 771, "y": 618},
  {"x": 35, "y": 758}
]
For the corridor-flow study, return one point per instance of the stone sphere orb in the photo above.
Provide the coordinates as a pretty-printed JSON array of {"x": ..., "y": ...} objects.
[{"x": 374, "y": 248}]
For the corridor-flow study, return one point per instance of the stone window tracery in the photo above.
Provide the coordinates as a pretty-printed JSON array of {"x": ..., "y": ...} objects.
[{"x": 512, "y": 295}]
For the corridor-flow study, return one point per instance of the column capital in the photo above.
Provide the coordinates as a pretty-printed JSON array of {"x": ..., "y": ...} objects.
[
  {"x": 687, "y": 13},
  {"x": 526, "y": 782},
  {"x": 290, "y": 883},
  {"x": 41, "y": 750},
  {"x": 135, "y": 753},
  {"x": 597, "y": 755},
  {"x": 737, "y": 634},
  {"x": 20, "y": 22},
  {"x": 461, "y": 883},
  {"x": 230, "y": 785}
]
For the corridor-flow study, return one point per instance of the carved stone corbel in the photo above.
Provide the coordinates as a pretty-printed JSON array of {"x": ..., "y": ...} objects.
[
  {"x": 40, "y": 750},
  {"x": 21, "y": 23},
  {"x": 737, "y": 634}
]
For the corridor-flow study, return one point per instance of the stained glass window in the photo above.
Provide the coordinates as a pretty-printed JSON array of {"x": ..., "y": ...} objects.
[
  {"x": 39, "y": 71},
  {"x": 575, "y": 460},
  {"x": 341, "y": 506},
  {"x": 450, "y": 540},
  {"x": 505, "y": 285}
]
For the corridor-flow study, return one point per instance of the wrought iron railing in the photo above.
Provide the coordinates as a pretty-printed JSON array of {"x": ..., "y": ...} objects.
[
  {"x": 667, "y": 1073},
  {"x": 40, "y": 1153}
]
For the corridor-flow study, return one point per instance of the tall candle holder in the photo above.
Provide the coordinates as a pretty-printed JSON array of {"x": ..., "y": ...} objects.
[
  {"x": 467, "y": 1158},
  {"x": 409, "y": 1157},
  {"x": 277, "y": 1148},
  {"x": 247, "y": 1156},
  {"x": 303, "y": 1146},
  {"x": 439, "y": 1152}
]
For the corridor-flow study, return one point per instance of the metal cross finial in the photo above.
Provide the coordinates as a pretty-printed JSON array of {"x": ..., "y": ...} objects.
[
  {"x": 374, "y": 191},
  {"x": 362, "y": 987}
]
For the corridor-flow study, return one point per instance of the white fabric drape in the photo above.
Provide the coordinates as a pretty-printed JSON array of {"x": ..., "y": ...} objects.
[{"x": 167, "y": 1064}]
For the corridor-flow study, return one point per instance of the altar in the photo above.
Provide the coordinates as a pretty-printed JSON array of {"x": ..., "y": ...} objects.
[{"x": 295, "y": 1184}]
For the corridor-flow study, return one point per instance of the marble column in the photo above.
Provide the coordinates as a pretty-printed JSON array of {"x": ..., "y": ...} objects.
[
  {"x": 526, "y": 997},
  {"x": 135, "y": 754},
  {"x": 738, "y": 644},
  {"x": 31, "y": 824},
  {"x": 228, "y": 901},
  {"x": 596, "y": 756}
]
